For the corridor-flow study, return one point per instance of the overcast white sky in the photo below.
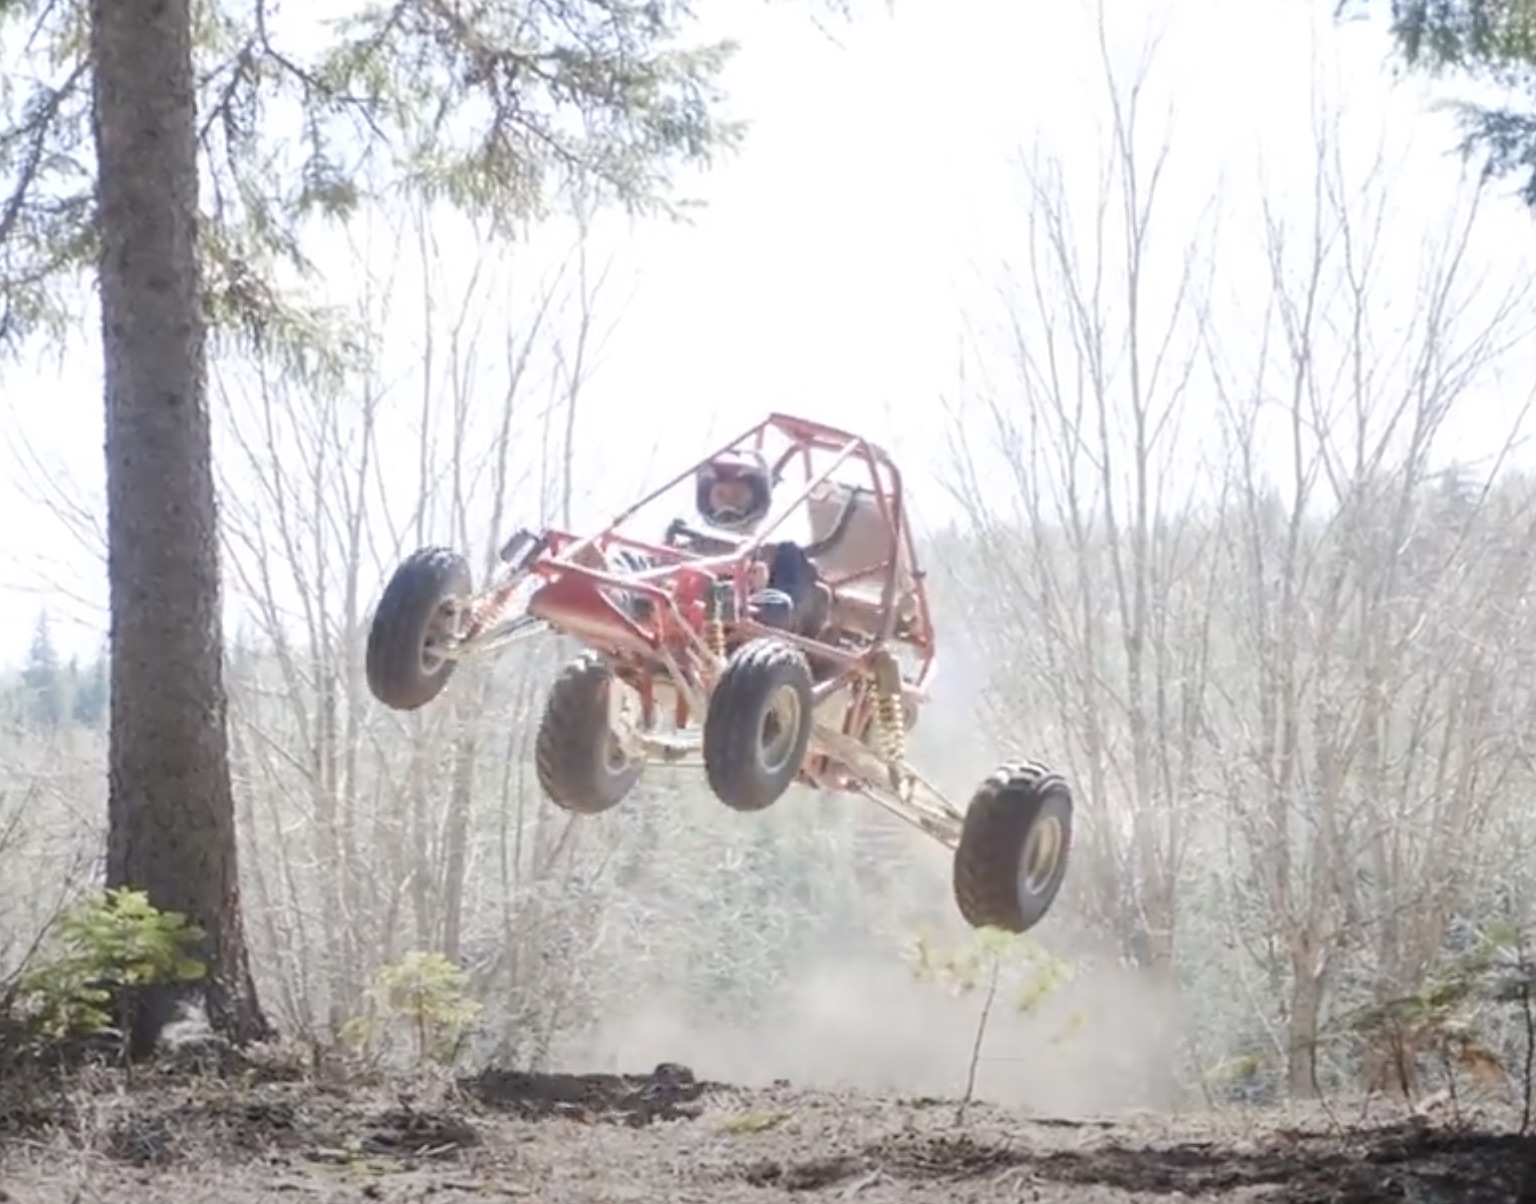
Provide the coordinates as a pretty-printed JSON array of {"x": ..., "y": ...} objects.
[{"x": 845, "y": 252}]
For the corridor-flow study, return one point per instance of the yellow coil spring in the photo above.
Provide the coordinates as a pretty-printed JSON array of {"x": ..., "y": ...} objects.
[
  {"x": 489, "y": 612},
  {"x": 714, "y": 636},
  {"x": 893, "y": 728}
]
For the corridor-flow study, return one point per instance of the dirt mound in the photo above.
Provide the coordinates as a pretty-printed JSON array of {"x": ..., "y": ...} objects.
[
  {"x": 670, "y": 1092},
  {"x": 1389, "y": 1164}
]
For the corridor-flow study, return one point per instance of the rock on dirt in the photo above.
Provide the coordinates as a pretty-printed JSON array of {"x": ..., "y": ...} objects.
[{"x": 668, "y": 1137}]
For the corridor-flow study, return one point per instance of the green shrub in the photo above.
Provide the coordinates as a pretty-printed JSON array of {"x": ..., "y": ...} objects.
[
  {"x": 96, "y": 951},
  {"x": 423, "y": 995}
]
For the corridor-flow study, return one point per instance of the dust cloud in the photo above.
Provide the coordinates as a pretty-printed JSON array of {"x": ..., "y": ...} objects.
[
  {"x": 1102, "y": 1043},
  {"x": 853, "y": 1014}
]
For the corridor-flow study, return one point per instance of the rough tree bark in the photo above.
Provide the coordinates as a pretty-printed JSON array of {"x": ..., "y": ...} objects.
[{"x": 170, "y": 806}]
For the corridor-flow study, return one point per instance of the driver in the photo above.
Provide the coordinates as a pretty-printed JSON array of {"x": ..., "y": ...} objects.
[{"x": 734, "y": 492}]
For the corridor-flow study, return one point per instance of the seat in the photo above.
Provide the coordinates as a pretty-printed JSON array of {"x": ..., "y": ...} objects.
[{"x": 865, "y": 546}]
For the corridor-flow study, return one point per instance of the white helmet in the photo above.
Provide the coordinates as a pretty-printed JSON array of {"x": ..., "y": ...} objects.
[{"x": 750, "y": 469}]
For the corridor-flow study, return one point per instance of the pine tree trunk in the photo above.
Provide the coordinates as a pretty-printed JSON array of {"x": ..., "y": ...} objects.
[{"x": 171, "y": 806}]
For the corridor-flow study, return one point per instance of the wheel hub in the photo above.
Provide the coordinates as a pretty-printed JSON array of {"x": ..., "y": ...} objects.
[
  {"x": 626, "y": 742},
  {"x": 776, "y": 736},
  {"x": 615, "y": 759},
  {"x": 1041, "y": 856},
  {"x": 442, "y": 629}
]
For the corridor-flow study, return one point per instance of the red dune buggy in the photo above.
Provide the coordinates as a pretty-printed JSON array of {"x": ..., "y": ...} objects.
[{"x": 777, "y": 634}]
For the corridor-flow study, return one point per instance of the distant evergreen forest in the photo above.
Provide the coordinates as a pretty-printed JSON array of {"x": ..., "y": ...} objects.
[{"x": 48, "y": 692}]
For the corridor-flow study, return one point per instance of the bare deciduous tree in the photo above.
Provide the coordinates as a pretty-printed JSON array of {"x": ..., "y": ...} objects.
[
  {"x": 1099, "y": 615},
  {"x": 1225, "y": 577},
  {"x": 392, "y": 805},
  {"x": 1350, "y": 743}
]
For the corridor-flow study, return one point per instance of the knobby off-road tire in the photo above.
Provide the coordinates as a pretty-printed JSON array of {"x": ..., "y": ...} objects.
[
  {"x": 580, "y": 764},
  {"x": 1013, "y": 849},
  {"x": 401, "y": 672},
  {"x": 758, "y": 724}
]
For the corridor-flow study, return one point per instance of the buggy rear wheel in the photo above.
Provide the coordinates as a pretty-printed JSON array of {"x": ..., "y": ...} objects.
[
  {"x": 418, "y": 609},
  {"x": 758, "y": 724},
  {"x": 1013, "y": 849},
  {"x": 581, "y": 765}
]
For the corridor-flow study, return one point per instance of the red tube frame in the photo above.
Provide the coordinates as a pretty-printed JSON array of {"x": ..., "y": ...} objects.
[{"x": 573, "y": 598}]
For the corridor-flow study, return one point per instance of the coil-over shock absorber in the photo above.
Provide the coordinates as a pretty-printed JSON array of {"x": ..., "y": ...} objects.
[
  {"x": 720, "y": 609},
  {"x": 888, "y": 711}
]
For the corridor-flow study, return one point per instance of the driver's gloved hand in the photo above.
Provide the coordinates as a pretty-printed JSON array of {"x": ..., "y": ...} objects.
[{"x": 772, "y": 608}]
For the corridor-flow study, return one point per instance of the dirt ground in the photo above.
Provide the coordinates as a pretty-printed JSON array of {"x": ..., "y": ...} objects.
[{"x": 667, "y": 1138}]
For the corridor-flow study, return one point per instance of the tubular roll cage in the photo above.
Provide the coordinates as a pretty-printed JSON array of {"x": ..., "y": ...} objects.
[{"x": 578, "y": 594}]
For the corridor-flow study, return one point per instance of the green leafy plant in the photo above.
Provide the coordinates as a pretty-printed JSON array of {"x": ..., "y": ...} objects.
[
  {"x": 99, "y": 950},
  {"x": 992, "y": 963},
  {"x": 423, "y": 994}
]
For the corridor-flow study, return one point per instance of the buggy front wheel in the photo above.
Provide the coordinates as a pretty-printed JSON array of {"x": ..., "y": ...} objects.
[
  {"x": 1014, "y": 843},
  {"x": 758, "y": 724},
  {"x": 418, "y": 611}
]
